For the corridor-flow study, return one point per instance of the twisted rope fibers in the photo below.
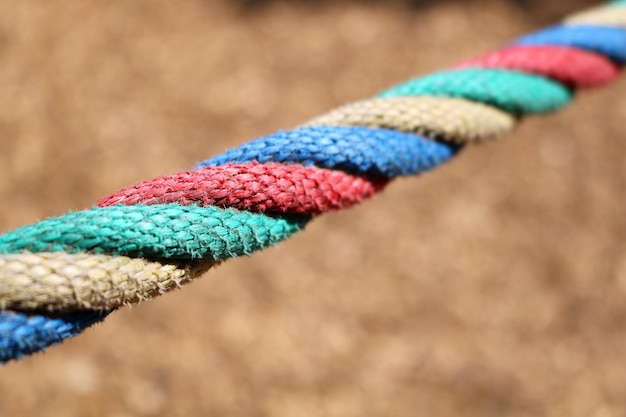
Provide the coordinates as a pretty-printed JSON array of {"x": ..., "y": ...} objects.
[
  {"x": 573, "y": 67},
  {"x": 254, "y": 187},
  {"x": 453, "y": 120},
  {"x": 606, "y": 40},
  {"x": 61, "y": 275},
  {"x": 370, "y": 152},
  {"x": 92, "y": 281},
  {"x": 512, "y": 91}
]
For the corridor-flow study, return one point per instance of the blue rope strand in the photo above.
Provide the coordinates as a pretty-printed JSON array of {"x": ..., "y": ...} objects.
[
  {"x": 358, "y": 150},
  {"x": 22, "y": 334},
  {"x": 606, "y": 40}
]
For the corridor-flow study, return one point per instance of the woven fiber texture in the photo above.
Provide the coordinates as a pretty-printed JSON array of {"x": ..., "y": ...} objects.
[
  {"x": 22, "y": 334},
  {"x": 570, "y": 66},
  {"x": 159, "y": 234},
  {"x": 61, "y": 281},
  {"x": 444, "y": 118},
  {"x": 357, "y": 150},
  {"x": 606, "y": 40},
  {"x": 272, "y": 188},
  {"x": 160, "y": 231},
  {"x": 515, "y": 92}
]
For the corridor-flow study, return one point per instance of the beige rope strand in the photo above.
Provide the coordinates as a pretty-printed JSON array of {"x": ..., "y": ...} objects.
[
  {"x": 603, "y": 16},
  {"x": 65, "y": 282},
  {"x": 452, "y": 119}
]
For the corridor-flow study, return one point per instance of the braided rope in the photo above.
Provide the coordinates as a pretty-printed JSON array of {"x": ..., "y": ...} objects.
[
  {"x": 450, "y": 119},
  {"x": 60, "y": 281},
  {"x": 61, "y": 275},
  {"x": 253, "y": 187}
]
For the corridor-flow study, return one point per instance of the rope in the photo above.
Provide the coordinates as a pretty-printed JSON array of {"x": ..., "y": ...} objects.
[
  {"x": 62, "y": 282},
  {"x": 450, "y": 119},
  {"x": 62, "y": 275}
]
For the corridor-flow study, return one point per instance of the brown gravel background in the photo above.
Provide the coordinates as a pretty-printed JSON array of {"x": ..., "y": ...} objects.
[{"x": 493, "y": 287}]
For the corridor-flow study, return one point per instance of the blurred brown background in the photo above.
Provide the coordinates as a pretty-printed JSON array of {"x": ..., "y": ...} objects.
[{"x": 494, "y": 286}]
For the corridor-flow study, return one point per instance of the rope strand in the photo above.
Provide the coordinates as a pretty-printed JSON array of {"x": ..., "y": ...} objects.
[{"x": 62, "y": 275}]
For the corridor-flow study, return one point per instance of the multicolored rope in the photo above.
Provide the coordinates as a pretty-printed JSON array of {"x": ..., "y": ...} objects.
[{"x": 61, "y": 275}]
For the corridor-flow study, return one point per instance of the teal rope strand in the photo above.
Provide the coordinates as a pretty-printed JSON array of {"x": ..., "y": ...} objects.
[
  {"x": 164, "y": 231},
  {"x": 515, "y": 92}
]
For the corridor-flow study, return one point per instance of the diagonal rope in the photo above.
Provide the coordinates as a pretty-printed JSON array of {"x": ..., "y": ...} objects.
[{"x": 62, "y": 275}]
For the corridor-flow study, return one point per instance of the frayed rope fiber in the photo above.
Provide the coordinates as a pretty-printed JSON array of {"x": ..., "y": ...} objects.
[
  {"x": 60, "y": 281},
  {"x": 62, "y": 275},
  {"x": 25, "y": 334}
]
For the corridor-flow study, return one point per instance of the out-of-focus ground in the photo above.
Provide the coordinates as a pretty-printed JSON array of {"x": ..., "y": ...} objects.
[{"x": 494, "y": 286}]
